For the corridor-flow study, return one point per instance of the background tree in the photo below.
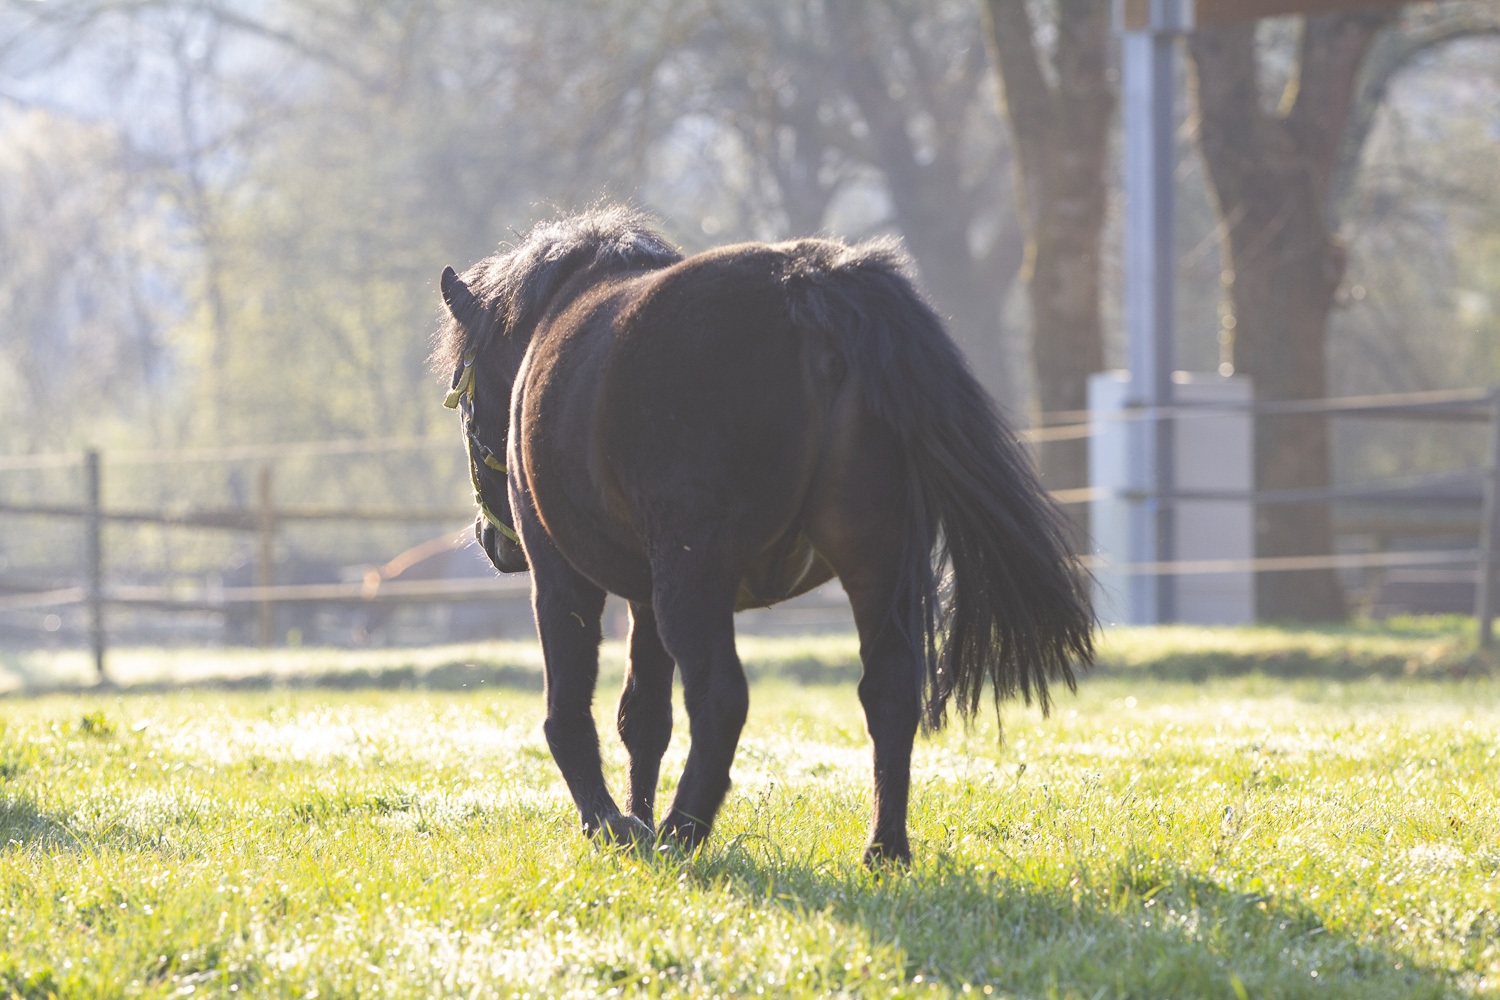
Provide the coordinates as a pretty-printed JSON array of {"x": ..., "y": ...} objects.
[
  {"x": 221, "y": 220},
  {"x": 1272, "y": 174},
  {"x": 1419, "y": 29},
  {"x": 862, "y": 118},
  {"x": 1060, "y": 121},
  {"x": 1282, "y": 180}
]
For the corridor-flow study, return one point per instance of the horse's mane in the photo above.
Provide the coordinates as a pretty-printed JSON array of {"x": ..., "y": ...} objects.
[
  {"x": 813, "y": 258},
  {"x": 510, "y": 286}
]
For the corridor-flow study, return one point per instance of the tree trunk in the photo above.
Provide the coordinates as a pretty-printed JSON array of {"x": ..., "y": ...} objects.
[
  {"x": 1272, "y": 176},
  {"x": 928, "y": 195},
  {"x": 1061, "y": 133},
  {"x": 1281, "y": 301}
]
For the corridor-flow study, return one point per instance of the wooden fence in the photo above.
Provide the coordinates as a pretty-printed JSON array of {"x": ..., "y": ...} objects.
[
  {"x": 263, "y": 521},
  {"x": 266, "y": 517}
]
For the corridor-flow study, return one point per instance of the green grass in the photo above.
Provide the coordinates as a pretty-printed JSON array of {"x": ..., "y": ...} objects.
[
  {"x": 1419, "y": 648},
  {"x": 1248, "y": 836},
  {"x": 1435, "y": 647}
]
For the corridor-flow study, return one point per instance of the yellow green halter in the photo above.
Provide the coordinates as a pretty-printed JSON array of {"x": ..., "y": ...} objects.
[{"x": 464, "y": 386}]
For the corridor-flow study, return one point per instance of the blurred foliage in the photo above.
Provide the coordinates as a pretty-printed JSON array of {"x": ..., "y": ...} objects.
[
  {"x": 1421, "y": 303},
  {"x": 221, "y": 222}
]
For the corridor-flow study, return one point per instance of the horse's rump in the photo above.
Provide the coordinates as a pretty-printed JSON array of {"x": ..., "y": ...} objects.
[
  {"x": 697, "y": 411},
  {"x": 709, "y": 384}
]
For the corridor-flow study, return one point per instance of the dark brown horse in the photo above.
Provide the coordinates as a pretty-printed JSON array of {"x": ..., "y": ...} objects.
[{"x": 725, "y": 431}]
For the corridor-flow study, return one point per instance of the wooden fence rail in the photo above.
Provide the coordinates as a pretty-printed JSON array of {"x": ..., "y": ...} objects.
[
  {"x": 221, "y": 598},
  {"x": 240, "y": 518},
  {"x": 263, "y": 520}
]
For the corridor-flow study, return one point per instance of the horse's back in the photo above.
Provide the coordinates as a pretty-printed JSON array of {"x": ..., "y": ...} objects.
[{"x": 711, "y": 407}]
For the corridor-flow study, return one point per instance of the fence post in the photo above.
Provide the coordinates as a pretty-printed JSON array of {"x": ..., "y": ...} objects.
[
  {"x": 94, "y": 553},
  {"x": 265, "y": 565},
  {"x": 1485, "y": 597}
]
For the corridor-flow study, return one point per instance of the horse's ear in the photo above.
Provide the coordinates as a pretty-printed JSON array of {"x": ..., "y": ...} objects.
[{"x": 456, "y": 294}]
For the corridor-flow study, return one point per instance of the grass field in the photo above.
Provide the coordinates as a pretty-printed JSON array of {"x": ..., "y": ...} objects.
[
  {"x": 1415, "y": 648},
  {"x": 1240, "y": 836}
]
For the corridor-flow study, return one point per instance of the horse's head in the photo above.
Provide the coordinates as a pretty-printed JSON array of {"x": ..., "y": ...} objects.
[
  {"x": 493, "y": 311},
  {"x": 485, "y": 418}
]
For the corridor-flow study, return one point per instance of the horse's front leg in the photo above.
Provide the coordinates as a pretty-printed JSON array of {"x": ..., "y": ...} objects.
[
  {"x": 568, "y": 611},
  {"x": 645, "y": 712}
]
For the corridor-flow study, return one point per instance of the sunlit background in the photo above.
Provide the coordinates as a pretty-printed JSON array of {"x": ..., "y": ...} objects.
[{"x": 221, "y": 226}]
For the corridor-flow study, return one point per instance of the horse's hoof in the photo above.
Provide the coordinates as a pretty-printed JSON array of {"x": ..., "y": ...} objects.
[
  {"x": 668, "y": 848},
  {"x": 622, "y": 830},
  {"x": 682, "y": 831},
  {"x": 880, "y": 857}
]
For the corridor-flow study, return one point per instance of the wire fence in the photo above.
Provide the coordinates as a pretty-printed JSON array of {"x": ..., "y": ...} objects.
[
  {"x": 231, "y": 453},
  {"x": 1466, "y": 489}
]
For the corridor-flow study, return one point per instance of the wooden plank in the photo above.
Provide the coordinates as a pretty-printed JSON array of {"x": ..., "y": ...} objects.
[
  {"x": 1216, "y": 13},
  {"x": 1135, "y": 15},
  {"x": 234, "y": 520},
  {"x": 244, "y": 519},
  {"x": 1486, "y": 598},
  {"x": 314, "y": 513},
  {"x": 44, "y": 598},
  {"x": 199, "y": 599},
  {"x": 265, "y": 564},
  {"x": 398, "y": 591},
  {"x": 94, "y": 539}
]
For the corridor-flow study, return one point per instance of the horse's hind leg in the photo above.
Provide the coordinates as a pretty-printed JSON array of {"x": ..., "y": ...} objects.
[
  {"x": 568, "y": 611},
  {"x": 890, "y": 693},
  {"x": 645, "y": 713},
  {"x": 860, "y": 525},
  {"x": 695, "y": 618}
]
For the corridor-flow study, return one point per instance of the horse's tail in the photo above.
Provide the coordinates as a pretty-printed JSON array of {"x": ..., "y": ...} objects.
[{"x": 999, "y": 594}]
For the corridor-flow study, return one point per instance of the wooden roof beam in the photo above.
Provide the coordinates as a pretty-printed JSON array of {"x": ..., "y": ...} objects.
[{"x": 1216, "y": 13}]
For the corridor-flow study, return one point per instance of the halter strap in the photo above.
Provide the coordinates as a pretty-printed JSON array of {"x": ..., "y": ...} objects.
[
  {"x": 498, "y": 524},
  {"x": 463, "y": 385}
]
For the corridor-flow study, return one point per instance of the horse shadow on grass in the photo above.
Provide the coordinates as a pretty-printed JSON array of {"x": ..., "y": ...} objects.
[
  {"x": 1142, "y": 929},
  {"x": 24, "y": 824}
]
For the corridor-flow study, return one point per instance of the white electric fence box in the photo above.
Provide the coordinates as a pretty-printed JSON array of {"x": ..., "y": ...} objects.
[{"x": 1213, "y": 452}]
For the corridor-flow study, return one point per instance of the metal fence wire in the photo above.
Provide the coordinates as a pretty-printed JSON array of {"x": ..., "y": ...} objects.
[{"x": 266, "y": 518}]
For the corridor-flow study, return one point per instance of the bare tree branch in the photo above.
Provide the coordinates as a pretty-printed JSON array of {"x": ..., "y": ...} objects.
[{"x": 1421, "y": 28}]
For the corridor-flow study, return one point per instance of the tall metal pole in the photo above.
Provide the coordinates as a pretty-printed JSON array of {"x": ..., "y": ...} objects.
[
  {"x": 94, "y": 554},
  {"x": 1486, "y": 596},
  {"x": 1150, "y": 270},
  {"x": 265, "y": 565}
]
